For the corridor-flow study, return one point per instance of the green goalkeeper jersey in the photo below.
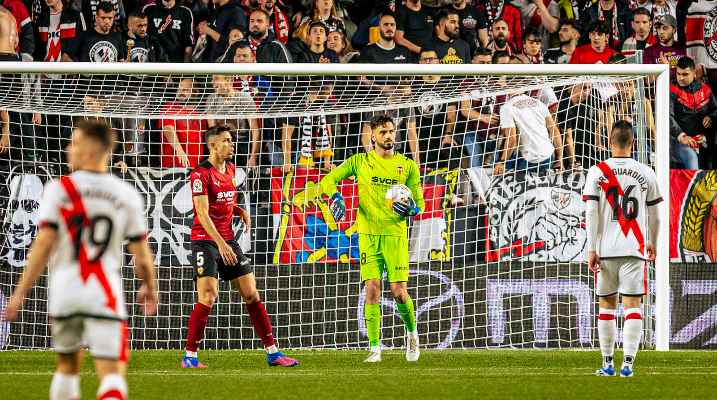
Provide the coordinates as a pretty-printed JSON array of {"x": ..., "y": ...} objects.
[{"x": 374, "y": 175}]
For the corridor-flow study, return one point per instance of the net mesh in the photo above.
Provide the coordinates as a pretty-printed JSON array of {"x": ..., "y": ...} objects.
[{"x": 497, "y": 259}]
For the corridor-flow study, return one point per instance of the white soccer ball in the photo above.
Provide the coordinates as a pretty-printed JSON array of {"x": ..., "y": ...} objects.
[{"x": 397, "y": 193}]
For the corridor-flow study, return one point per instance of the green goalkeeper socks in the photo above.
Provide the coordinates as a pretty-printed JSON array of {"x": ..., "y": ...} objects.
[
  {"x": 372, "y": 315},
  {"x": 407, "y": 314}
]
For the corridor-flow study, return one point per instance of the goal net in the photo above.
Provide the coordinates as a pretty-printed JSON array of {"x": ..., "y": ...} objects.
[{"x": 497, "y": 256}]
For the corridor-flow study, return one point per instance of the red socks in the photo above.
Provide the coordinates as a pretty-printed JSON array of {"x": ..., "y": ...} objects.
[
  {"x": 197, "y": 322},
  {"x": 260, "y": 321}
]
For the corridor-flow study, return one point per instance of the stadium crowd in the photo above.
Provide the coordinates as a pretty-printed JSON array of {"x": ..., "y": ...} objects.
[{"x": 673, "y": 32}]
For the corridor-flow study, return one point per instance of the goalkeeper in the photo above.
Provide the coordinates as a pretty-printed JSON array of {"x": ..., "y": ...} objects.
[{"x": 383, "y": 241}]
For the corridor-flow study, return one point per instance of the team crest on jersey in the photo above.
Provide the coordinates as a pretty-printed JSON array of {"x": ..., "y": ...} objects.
[
  {"x": 200, "y": 271},
  {"x": 399, "y": 170},
  {"x": 139, "y": 54},
  {"x": 711, "y": 34},
  {"x": 197, "y": 186},
  {"x": 103, "y": 51}
]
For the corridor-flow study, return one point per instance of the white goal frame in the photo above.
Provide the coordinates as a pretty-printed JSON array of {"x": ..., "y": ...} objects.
[{"x": 659, "y": 72}]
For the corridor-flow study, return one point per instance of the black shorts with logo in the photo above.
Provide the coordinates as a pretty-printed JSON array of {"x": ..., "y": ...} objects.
[{"x": 208, "y": 262}]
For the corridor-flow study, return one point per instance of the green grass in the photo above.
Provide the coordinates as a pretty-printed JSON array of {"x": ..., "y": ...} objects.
[{"x": 561, "y": 375}]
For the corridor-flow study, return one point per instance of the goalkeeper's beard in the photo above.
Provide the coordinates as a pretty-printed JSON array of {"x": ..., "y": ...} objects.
[{"x": 386, "y": 145}]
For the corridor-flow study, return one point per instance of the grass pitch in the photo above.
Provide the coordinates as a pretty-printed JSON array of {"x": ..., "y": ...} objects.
[{"x": 454, "y": 374}]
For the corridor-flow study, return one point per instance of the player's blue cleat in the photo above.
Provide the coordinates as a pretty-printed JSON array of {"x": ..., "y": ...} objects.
[
  {"x": 280, "y": 359},
  {"x": 192, "y": 362},
  {"x": 606, "y": 371},
  {"x": 626, "y": 371}
]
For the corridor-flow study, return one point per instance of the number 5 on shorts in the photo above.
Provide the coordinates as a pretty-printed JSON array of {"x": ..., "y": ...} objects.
[{"x": 200, "y": 258}]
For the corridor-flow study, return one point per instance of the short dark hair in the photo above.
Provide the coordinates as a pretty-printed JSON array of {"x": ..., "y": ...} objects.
[
  {"x": 99, "y": 131},
  {"x": 105, "y": 6},
  {"x": 599, "y": 27},
  {"x": 621, "y": 134},
  {"x": 686, "y": 62},
  {"x": 642, "y": 11},
  {"x": 483, "y": 51},
  {"x": 380, "y": 120},
  {"x": 498, "y": 55},
  {"x": 386, "y": 13},
  {"x": 530, "y": 31},
  {"x": 216, "y": 130},
  {"x": 261, "y": 10},
  {"x": 570, "y": 22},
  {"x": 443, "y": 15},
  {"x": 320, "y": 24}
]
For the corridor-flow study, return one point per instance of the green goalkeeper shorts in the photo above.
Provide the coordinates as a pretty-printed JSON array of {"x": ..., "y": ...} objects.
[{"x": 381, "y": 253}]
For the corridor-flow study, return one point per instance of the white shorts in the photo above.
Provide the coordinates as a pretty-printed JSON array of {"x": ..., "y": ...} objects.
[
  {"x": 106, "y": 338},
  {"x": 626, "y": 275}
]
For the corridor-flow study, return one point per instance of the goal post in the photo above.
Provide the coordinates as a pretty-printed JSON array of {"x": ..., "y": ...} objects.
[{"x": 482, "y": 277}]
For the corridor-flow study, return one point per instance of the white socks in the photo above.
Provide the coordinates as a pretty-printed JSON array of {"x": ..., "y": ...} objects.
[
  {"x": 271, "y": 349},
  {"x": 607, "y": 329},
  {"x": 631, "y": 331},
  {"x": 112, "y": 387},
  {"x": 65, "y": 387}
]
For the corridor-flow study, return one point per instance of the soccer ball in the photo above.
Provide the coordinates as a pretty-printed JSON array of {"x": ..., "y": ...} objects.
[{"x": 397, "y": 193}]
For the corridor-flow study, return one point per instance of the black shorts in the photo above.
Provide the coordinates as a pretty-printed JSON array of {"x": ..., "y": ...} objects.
[{"x": 208, "y": 262}]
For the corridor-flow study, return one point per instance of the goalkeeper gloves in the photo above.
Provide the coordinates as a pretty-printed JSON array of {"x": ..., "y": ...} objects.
[
  {"x": 338, "y": 206},
  {"x": 407, "y": 209}
]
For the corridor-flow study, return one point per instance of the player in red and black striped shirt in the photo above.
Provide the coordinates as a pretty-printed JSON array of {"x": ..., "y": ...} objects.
[{"x": 215, "y": 253}]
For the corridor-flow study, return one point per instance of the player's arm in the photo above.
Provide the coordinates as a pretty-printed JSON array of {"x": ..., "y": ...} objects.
[
  {"x": 40, "y": 252},
  {"x": 201, "y": 205},
  {"x": 328, "y": 185},
  {"x": 144, "y": 269},
  {"x": 592, "y": 219},
  {"x": 413, "y": 182},
  {"x": 653, "y": 215}
]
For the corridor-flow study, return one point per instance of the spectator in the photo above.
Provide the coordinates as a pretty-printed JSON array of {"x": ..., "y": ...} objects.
[
  {"x": 482, "y": 56},
  {"x": 324, "y": 11},
  {"x": 597, "y": 51},
  {"x": 265, "y": 46},
  {"x": 173, "y": 27},
  {"x": 500, "y": 57},
  {"x": 315, "y": 132},
  {"x": 316, "y": 52},
  {"x": 279, "y": 23},
  {"x": 414, "y": 24},
  {"x": 662, "y": 7},
  {"x": 26, "y": 36},
  {"x": 446, "y": 42},
  {"x": 642, "y": 36},
  {"x": 577, "y": 121},
  {"x": 227, "y": 16},
  {"x": 100, "y": 44},
  {"x": 500, "y": 35},
  {"x": 532, "y": 140},
  {"x": 540, "y": 15},
  {"x": 666, "y": 50},
  {"x": 568, "y": 34},
  {"x": 478, "y": 120},
  {"x": 145, "y": 48},
  {"x": 182, "y": 141},
  {"x": 693, "y": 111},
  {"x": 532, "y": 43},
  {"x": 495, "y": 10},
  {"x": 226, "y": 100},
  {"x": 472, "y": 23},
  {"x": 90, "y": 7},
  {"x": 337, "y": 42},
  {"x": 386, "y": 50},
  {"x": 615, "y": 15}
]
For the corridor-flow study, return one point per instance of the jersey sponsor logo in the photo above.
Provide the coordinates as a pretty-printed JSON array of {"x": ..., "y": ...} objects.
[
  {"x": 383, "y": 181},
  {"x": 103, "y": 51},
  {"x": 399, "y": 170},
  {"x": 197, "y": 186},
  {"x": 225, "y": 195}
]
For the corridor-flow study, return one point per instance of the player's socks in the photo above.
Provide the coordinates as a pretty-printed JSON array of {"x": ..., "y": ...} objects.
[
  {"x": 195, "y": 328},
  {"x": 112, "y": 387},
  {"x": 407, "y": 314},
  {"x": 65, "y": 387},
  {"x": 631, "y": 331},
  {"x": 607, "y": 329},
  {"x": 260, "y": 320},
  {"x": 372, "y": 316}
]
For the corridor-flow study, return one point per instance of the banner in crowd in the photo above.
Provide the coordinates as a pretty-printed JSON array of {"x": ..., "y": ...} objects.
[
  {"x": 168, "y": 206},
  {"x": 305, "y": 230},
  {"x": 536, "y": 218},
  {"x": 693, "y": 216}
]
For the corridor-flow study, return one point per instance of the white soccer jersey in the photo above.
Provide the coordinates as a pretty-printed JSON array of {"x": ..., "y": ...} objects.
[
  {"x": 528, "y": 116},
  {"x": 94, "y": 213},
  {"x": 624, "y": 188}
]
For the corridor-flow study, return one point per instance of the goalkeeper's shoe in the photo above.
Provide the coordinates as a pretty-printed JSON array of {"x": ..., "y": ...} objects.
[
  {"x": 626, "y": 371},
  {"x": 280, "y": 359},
  {"x": 412, "y": 350},
  {"x": 606, "y": 371},
  {"x": 374, "y": 356},
  {"x": 192, "y": 362}
]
